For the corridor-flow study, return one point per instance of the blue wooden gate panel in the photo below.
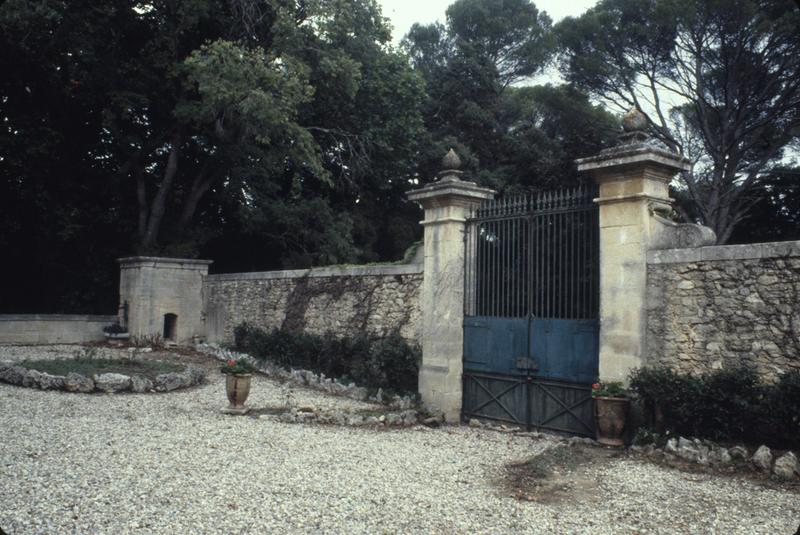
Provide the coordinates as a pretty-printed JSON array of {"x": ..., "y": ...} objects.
[
  {"x": 565, "y": 349},
  {"x": 493, "y": 344}
]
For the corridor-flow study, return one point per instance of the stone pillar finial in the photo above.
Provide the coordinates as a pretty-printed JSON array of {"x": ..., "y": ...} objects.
[
  {"x": 634, "y": 127},
  {"x": 447, "y": 204},
  {"x": 451, "y": 165}
]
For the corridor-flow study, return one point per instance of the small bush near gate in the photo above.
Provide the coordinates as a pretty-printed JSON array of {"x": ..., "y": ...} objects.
[
  {"x": 390, "y": 363},
  {"x": 726, "y": 405}
]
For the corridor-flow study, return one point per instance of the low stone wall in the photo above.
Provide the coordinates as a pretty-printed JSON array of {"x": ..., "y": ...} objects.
[
  {"x": 723, "y": 306},
  {"x": 344, "y": 301},
  {"x": 52, "y": 328}
]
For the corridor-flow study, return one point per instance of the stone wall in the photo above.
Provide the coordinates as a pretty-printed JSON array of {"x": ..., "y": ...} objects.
[
  {"x": 52, "y": 328},
  {"x": 344, "y": 301},
  {"x": 719, "y": 307}
]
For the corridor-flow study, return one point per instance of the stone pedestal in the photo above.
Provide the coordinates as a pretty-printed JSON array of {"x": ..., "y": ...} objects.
[
  {"x": 163, "y": 297},
  {"x": 447, "y": 205},
  {"x": 634, "y": 186}
]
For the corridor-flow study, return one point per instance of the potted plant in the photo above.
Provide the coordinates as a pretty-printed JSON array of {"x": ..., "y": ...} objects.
[
  {"x": 237, "y": 385},
  {"x": 611, "y": 406}
]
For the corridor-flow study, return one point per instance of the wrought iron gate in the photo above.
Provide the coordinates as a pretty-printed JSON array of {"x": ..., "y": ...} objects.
[{"x": 531, "y": 311}]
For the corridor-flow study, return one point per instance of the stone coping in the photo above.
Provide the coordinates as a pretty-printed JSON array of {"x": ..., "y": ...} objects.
[
  {"x": 328, "y": 271},
  {"x": 455, "y": 188},
  {"x": 726, "y": 252},
  {"x": 634, "y": 154},
  {"x": 59, "y": 317},
  {"x": 163, "y": 260}
]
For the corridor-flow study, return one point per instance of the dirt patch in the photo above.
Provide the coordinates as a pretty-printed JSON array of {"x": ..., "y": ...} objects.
[{"x": 558, "y": 474}]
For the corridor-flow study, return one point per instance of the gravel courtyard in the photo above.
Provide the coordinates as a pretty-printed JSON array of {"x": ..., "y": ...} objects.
[{"x": 171, "y": 463}]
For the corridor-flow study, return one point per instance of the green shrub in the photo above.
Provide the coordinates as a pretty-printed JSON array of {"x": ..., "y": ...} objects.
[
  {"x": 390, "y": 363},
  {"x": 668, "y": 397},
  {"x": 781, "y": 411},
  {"x": 729, "y": 404},
  {"x": 725, "y": 405}
]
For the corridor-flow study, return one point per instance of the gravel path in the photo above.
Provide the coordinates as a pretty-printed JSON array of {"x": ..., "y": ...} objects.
[{"x": 171, "y": 463}]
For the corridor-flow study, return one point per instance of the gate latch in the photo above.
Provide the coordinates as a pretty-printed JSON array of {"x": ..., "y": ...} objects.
[{"x": 525, "y": 363}]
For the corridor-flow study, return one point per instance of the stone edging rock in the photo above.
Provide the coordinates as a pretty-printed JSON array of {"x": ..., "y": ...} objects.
[
  {"x": 707, "y": 453},
  {"x": 105, "y": 382},
  {"x": 309, "y": 414},
  {"x": 311, "y": 379}
]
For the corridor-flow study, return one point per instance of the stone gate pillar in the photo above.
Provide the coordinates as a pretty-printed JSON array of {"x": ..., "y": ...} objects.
[
  {"x": 634, "y": 179},
  {"x": 447, "y": 204}
]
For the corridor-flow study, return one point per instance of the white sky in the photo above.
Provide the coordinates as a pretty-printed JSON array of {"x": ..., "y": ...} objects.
[{"x": 404, "y": 13}]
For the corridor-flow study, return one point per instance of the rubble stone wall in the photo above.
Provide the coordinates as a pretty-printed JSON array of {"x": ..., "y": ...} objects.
[
  {"x": 343, "y": 301},
  {"x": 725, "y": 306}
]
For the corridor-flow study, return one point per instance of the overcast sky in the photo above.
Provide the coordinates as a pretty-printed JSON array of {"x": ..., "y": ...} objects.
[{"x": 404, "y": 13}]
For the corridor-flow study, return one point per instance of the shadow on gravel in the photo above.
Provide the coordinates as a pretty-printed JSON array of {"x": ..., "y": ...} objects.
[
  {"x": 558, "y": 474},
  {"x": 569, "y": 473}
]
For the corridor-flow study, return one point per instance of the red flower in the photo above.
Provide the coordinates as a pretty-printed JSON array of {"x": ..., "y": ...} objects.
[
  {"x": 596, "y": 386},
  {"x": 231, "y": 362}
]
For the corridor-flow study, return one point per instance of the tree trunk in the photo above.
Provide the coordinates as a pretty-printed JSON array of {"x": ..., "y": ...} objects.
[
  {"x": 200, "y": 186},
  {"x": 141, "y": 200},
  {"x": 158, "y": 205}
]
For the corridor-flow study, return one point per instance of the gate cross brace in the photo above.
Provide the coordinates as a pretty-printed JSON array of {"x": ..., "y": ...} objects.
[
  {"x": 565, "y": 408},
  {"x": 496, "y": 399}
]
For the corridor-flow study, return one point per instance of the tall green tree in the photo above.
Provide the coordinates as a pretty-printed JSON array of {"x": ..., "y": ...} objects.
[
  {"x": 718, "y": 80},
  {"x": 775, "y": 214},
  {"x": 178, "y": 127},
  {"x": 511, "y": 137}
]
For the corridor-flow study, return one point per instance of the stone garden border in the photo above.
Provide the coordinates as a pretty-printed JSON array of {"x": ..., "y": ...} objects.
[
  {"x": 402, "y": 410},
  {"x": 109, "y": 383},
  {"x": 311, "y": 379},
  {"x": 706, "y": 453}
]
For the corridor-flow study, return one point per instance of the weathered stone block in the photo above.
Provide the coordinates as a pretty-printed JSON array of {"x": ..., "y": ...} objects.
[
  {"x": 112, "y": 382},
  {"x": 75, "y": 382},
  {"x": 141, "y": 384},
  {"x": 762, "y": 459},
  {"x": 785, "y": 466}
]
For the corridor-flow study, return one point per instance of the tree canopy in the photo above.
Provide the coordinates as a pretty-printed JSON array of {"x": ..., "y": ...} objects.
[
  {"x": 511, "y": 135},
  {"x": 270, "y": 134},
  {"x": 718, "y": 80},
  {"x": 178, "y": 128}
]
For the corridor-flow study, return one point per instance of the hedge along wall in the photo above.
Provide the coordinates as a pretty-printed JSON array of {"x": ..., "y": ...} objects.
[
  {"x": 724, "y": 306},
  {"x": 344, "y": 301}
]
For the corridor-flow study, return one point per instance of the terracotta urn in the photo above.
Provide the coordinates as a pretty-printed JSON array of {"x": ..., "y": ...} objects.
[
  {"x": 237, "y": 387},
  {"x": 610, "y": 417}
]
